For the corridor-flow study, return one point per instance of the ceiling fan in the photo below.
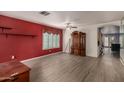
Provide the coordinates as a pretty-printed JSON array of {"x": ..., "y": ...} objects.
[{"x": 70, "y": 26}]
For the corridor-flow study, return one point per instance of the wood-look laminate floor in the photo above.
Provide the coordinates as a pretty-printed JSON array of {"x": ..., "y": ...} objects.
[{"x": 70, "y": 68}]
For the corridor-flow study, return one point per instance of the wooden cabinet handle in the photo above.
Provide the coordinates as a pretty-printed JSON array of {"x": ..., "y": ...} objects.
[{"x": 14, "y": 76}]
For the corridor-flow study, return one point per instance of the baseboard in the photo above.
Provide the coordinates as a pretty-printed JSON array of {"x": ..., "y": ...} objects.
[
  {"x": 65, "y": 52},
  {"x": 35, "y": 58}
]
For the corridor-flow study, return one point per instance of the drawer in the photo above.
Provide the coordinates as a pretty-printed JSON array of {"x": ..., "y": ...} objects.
[
  {"x": 24, "y": 77},
  {"x": 14, "y": 72}
]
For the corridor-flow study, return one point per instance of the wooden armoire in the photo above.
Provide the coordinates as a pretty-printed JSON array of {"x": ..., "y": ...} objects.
[{"x": 78, "y": 43}]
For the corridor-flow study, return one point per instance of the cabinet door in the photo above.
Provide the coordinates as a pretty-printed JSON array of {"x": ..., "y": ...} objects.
[
  {"x": 82, "y": 44},
  {"x": 82, "y": 41},
  {"x": 75, "y": 41},
  {"x": 78, "y": 43}
]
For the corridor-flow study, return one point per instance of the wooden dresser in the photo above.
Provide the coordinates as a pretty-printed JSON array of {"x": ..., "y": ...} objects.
[
  {"x": 78, "y": 43},
  {"x": 14, "y": 71}
]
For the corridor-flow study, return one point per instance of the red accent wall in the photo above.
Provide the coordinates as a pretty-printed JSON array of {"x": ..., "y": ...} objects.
[{"x": 23, "y": 47}]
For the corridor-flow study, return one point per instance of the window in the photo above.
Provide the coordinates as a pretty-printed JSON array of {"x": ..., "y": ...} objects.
[
  {"x": 45, "y": 40},
  {"x": 54, "y": 41},
  {"x": 106, "y": 41},
  {"x": 58, "y": 41},
  {"x": 50, "y": 40}
]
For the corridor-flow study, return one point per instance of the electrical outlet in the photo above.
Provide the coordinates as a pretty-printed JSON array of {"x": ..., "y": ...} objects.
[{"x": 13, "y": 57}]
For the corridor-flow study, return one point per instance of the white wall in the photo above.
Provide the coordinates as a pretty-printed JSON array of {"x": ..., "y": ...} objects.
[
  {"x": 91, "y": 38},
  {"x": 91, "y": 42}
]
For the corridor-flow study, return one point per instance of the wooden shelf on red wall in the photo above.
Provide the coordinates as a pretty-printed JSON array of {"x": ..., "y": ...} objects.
[
  {"x": 12, "y": 34},
  {"x": 2, "y": 27}
]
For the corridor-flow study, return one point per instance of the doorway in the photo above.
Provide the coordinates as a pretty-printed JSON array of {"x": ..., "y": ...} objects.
[{"x": 108, "y": 40}]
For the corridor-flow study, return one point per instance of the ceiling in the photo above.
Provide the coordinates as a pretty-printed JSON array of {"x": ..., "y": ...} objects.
[{"x": 60, "y": 18}]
